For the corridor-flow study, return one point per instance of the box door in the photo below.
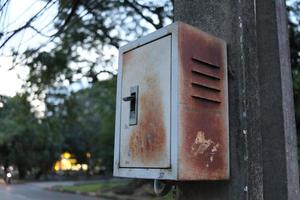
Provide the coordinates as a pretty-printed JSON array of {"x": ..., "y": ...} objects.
[{"x": 145, "y": 106}]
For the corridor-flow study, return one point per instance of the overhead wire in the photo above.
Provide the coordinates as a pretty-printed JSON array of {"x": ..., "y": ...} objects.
[
  {"x": 4, "y": 16},
  {"x": 27, "y": 24},
  {"x": 3, "y": 20},
  {"x": 6, "y": 2},
  {"x": 52, "y": 37},
  {"x": 22, "y": 14}
]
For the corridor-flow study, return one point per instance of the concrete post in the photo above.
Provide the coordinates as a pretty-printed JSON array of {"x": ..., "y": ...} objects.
[{"x": 262, "y": 126}]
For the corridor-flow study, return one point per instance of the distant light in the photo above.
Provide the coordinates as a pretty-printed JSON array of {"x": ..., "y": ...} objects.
[
  {"x": 75, "y": 168},
  {"x": 73, "y": 161},
  {"x": 8, "y": 175},
  {"x": 57, "y": 166},
  {"x": 84, "y": 167},
  {"x": 88, "y": 155},
  {"x": 68, "y": 162},
  {"x": 66, "y": 155},
  {"x": 78, "y": 166}
]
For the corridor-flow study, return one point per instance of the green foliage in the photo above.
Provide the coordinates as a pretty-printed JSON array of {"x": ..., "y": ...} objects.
[
  {"x": 91, "y": 28},
  {"x": 82, "y": 121},
  {"x": 24, "y": 140},
  {"x": 85, "y": 121},
  {"x": 92, "y": 187},
  {"x": 294, "y": 31}
]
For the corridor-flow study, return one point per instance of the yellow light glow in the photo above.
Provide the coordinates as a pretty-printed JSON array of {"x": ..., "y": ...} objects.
[
  {"x": 84, "y": 167},
  {"x": 57, "y": 166},
  {"x": 68, "y": 162},
  {"x": 73, "y": 161},
  {"x": 66, "y": 155},
  {"x": 75, "y": 168},
  {"x": 88, "y": 155}
]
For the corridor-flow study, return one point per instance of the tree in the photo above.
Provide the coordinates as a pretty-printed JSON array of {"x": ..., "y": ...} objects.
[
  {"x": 84, "y": 120},
  {"x": 83, "y": 28},
  {"x": 26, "y": 141},
  {"x": 84, "y": 32},
  {"x": 88, "y": 122}
]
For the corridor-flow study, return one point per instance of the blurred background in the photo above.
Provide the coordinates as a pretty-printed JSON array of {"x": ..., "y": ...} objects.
[{"x": 58, "y": 68}]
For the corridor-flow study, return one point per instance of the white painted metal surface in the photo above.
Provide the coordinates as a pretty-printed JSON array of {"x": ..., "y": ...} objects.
[{"x": 147, "y": 144}]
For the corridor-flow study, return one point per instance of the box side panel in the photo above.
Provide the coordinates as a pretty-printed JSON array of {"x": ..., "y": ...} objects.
[
  {"x": 203, "y": 131},
  {"x": 116, "y": 163},
  {"x": 174, "y": 103}
]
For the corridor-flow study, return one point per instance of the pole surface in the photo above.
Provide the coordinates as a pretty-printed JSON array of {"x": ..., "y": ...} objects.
[{"x": 263, "y": 149}]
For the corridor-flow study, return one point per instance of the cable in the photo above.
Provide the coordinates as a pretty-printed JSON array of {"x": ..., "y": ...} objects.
[
  {"x": 3, "y": 5},
  {"x": 3, "y": 20},
  {"x": 26, "y": 25},
  {"x": 22, "y": 14},
  {"x": 4, "y": 16}
]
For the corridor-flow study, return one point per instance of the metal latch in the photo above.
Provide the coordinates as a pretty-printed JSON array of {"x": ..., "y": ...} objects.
[{"x": 133, "y": 99}]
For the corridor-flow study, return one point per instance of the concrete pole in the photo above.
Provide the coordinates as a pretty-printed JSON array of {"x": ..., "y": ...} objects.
[{"x": 262, "y": 125}]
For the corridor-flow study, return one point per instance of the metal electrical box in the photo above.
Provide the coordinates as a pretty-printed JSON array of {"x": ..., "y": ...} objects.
[{"x": 172, "y": 107}]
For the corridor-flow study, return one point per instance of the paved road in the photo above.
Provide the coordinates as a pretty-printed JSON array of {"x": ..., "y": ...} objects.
[{"x": 36, "y": 191}]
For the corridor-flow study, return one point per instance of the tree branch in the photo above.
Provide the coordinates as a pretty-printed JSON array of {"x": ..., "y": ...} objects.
[
  {"x": 138, "y": 11},
  {"x": 26, "y": 25},
  {"x": 68, "y": 19}
]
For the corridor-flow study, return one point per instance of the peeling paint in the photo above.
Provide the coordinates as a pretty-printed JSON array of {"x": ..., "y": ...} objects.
[{"x": 201, "y": 144}]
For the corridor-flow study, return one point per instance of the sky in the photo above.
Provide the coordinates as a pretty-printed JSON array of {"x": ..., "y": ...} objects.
[
  {"x": 11, "y": 80},
  {"x": 18, "y": 13}
]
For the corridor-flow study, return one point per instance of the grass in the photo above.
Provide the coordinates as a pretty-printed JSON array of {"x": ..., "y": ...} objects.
[
  {"x": 93, "y": 187},
  {"x": 102, "y": 186}
]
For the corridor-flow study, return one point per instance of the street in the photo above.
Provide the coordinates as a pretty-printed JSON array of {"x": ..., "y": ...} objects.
[{"x": 37, "y": 191}]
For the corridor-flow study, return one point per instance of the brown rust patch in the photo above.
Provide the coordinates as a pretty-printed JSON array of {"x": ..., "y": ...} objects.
[
  {"x": 203, "y": 130},
  {"x": 148, "y": 140}
]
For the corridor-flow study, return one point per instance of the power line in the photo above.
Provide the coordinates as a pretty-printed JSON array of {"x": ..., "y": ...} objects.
[
  {"x": 23, "y": 13},
  {"x": 3, "y": 19},
  {"x": 82, "y": 14},
  {"x": 4, "y": 15},
  {"x": 4, "y": 5},
  {"x": 26, "y": 25}
]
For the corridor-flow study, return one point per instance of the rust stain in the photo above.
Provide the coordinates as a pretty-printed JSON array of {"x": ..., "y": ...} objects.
[
  {"x": 204, "y": 141},
  {"x": 148, "y": 139}
]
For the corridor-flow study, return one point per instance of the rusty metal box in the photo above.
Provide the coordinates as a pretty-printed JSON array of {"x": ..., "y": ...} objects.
[{"x": 172, "y": 107}]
